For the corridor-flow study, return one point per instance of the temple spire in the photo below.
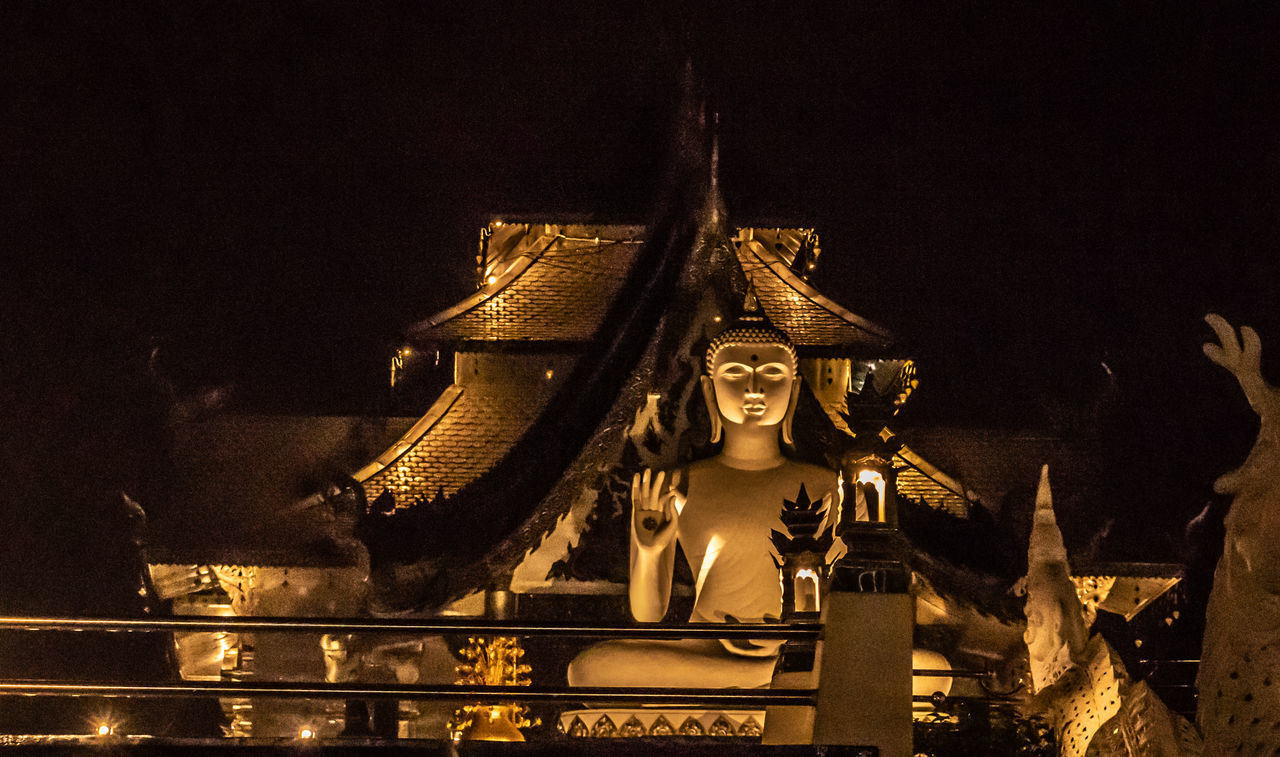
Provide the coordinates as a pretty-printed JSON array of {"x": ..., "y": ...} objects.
[
  {"x": 1046, "y": 538},
  {"x": 714, "y": 201},
  {"x": 713, "y": 204}
]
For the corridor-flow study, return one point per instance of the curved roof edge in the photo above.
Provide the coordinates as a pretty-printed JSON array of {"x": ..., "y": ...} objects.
[
  {"x": 932, "y": 472},
  {"x": 775, "y": 263},
  {"x": 488, "y": 291},
  {"x": 412, "y": 436}
]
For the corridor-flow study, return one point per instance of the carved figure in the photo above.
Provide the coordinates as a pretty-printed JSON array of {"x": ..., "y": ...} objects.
[
  {"x": 721, "y": 512},
  {"x": 1239, "y": 679},
  {"x": 1078, "y": 680},
  {"x": 1056, "y": 635}
]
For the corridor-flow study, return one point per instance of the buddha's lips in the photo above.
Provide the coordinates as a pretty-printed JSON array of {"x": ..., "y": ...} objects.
[{"x": 753, "y": 408}]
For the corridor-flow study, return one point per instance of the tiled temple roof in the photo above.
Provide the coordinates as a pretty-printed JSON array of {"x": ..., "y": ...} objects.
[
  {"x": 546, "y": 283},
  {"x": 554, "y": 283},
  {"x": 469, "y": 432},
  {"x": 925, "y": 483},
  {"x": 475, "y": 421},
  {"x": 809, "y": 318},
  {"x": 996, "y": 466}
]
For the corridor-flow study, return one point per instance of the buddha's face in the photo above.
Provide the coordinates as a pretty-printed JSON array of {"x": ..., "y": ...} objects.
[{"x": 753, "y": 383}]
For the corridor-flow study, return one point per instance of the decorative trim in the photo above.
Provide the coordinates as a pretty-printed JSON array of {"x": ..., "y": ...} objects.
[
  {"x": 779, "y": 267},
  {"x": 412, "y": 436}
]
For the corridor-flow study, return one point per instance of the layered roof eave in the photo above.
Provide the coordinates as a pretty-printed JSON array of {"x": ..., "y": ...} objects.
[
  {"x": 861, "y": 337},
  {"x": 412, "y": 436},
  {"x": 544, "y": 284},
  {"x": 421, "y": 333}
]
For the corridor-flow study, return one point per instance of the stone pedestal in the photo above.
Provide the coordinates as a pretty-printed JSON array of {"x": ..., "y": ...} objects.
[
  {"x": 864, "y": 675},
  {"x": 863, "y": 668}
]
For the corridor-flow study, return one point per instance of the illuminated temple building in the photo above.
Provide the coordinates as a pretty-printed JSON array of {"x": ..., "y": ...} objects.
[{"x": 575, "y": 364}]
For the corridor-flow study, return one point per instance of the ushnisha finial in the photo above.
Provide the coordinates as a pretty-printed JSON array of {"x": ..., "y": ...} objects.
[
  {"x": 752, "y": 327},
  {"x": 751, "y": 303}
]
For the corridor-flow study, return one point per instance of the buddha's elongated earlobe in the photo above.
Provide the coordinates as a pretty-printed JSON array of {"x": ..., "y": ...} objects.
[
  {"x": 787, "y": 438},
  {"x": 709, "y": 395}
]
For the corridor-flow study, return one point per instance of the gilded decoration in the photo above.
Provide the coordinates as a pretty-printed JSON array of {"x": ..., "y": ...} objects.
[
  {"x": 493, "y": 661},
  {"x": 657, "y": 722}
]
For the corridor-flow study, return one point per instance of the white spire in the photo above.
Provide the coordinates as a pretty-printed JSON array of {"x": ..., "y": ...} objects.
[{"x": 1046, "y": 538}]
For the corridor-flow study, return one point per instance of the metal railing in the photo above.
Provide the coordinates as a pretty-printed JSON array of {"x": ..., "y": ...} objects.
[
  {"x": 433, "y": 626},
  {"x": 729, "y": 698}
]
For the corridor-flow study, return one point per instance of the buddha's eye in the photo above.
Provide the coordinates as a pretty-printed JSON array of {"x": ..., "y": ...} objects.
[
  {"x": 734, "y": 371},
  {"x": 773, "y": 372}
]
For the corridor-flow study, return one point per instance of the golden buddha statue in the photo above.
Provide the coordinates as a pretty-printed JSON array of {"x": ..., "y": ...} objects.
[{"x": 721, "y": 511}]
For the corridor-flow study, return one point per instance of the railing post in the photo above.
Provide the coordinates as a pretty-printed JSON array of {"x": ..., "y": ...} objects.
[
  {"x": 863, "y": 663},
  {"x": 864, "y": 689}
]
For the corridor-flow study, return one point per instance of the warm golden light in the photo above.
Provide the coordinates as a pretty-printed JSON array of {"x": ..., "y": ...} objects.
[
  {"x": 491, "y": 661},
  {"x": 550, "y": 373},
  {"x": 104, "y": 730},
  {"x": 496, "y": 723},
  {"x": 870, "y": 479},
  {"x": 492, "y": 279},
  {"x": 807, "y": 594},
  {"x": 306, "y": 733}
]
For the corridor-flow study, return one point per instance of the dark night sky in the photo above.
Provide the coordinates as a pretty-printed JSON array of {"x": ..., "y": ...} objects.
[{"x": 1021, "y": 191}]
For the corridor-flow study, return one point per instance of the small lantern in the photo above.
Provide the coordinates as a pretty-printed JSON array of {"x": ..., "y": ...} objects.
[
  {"x": 872, "y": 481},
  {"x": 873, "y": 560},
  {"x": 802, "y": 551}
]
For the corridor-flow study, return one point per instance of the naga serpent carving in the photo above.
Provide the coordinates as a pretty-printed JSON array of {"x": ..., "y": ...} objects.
[{"x": 1239, "y": 678}]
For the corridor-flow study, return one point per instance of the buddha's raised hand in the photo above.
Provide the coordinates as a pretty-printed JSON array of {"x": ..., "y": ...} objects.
[
  {"x": 1242, "y": 356},
  {"x": 653, "y": 509}
]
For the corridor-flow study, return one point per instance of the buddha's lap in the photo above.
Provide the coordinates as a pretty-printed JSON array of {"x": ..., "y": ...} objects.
[{"x": 698, "y": 663}]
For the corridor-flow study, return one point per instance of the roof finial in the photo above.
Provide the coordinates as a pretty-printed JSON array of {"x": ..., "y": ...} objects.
[
  {"x": 713, "y": 171},
  {"x": 751, "y": 304},
  {"x": 715, "y": 155}
]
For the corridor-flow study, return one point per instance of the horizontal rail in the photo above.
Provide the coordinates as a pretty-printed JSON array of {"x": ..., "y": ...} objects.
[
  {"x": 1170, "y": 661},
  {"x": 802, "y": 631},
  {"x": 950, "y": 673},
  {"x": 955, "y": 698},
  {"x": 483, "y": 694}
]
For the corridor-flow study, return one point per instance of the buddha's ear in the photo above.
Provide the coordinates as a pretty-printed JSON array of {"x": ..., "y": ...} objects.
[
  {"x": 787, "y": 438},
  {"x": 709, "y": 396}
]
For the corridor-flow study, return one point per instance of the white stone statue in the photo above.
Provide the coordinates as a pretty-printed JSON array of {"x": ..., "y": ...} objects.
[
  {"x": 1239, "y": 679},
  {"x": 1079, "y": 682},
  {"x": 721, "y": 511},
  {"x": 1056, "y": 635}
]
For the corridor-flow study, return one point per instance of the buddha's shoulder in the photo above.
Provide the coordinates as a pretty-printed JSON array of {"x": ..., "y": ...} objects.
[{"x": 816, "y": 478}]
